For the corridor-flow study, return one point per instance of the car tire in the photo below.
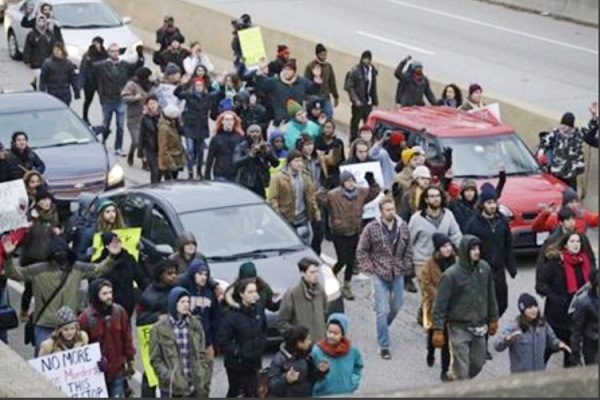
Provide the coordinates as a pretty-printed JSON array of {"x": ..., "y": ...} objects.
[{"x": 13, "y": 47}]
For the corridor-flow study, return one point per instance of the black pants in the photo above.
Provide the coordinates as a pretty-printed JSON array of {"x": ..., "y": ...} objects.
[
  {"x": 169, "y": 175},
  {"x": 27, "y": 296},
  {"x": 358, "y": 114},
  {"x": 445, "y": 350},
  {"x": 152, "y": 160},
  {"x": 242, "y": 383},
  {"x": 345, "y": 249},
  {"x": 88, "y": 97},
  {"x": 590, "y": 351},
  {"x": 318, "y": 233},
  {"x": 147, "y": 391},
  {"x": 501, "y": 290},
  {"x": 565, "y": 336}
]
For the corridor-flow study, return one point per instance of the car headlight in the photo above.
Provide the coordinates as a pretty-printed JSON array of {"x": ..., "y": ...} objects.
[
  {"x": 331, "y": 284},
  {"x": 506, "y": 211},
  {"x": 115, "y": 175},
  {"x": 74, "y": 51}
]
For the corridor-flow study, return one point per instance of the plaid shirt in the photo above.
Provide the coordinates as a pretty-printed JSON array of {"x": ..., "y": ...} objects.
[{"x": 182, "y": 336}]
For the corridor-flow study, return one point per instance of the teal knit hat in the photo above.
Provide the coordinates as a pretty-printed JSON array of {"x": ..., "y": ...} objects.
[
  {"x": 104, "y": 204},
  {"x": 247, "y": 270}
]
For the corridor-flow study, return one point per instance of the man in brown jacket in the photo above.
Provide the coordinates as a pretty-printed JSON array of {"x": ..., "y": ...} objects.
[
  {"x": 345, "y": 204},
  {"x": 292, "y": 194},
  {"x": 328, "y": 86}
]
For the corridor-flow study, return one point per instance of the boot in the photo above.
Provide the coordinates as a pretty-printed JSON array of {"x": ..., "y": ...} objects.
[
  {"x": 145, "y": 165},
  {"x": 191, "y": 175},
  {"x": 430, "y": 357},
  {"x": 410, "y": 286},
  {"x": 347, "y": 292}
]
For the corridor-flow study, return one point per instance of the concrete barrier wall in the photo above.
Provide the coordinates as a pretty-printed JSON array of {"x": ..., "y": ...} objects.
[{"x": 584, "y": 11}]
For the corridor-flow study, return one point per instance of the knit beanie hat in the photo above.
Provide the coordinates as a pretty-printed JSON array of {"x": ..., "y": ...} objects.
[
  {"x": 568, "y": 119},
  {"x": 319, "y": 48},
  {"x": 65, "y": 316},
  {"x": 293, "y": 107},
  {"x": 421, "y": 172},
  {"x": 143, "y": 73},
  {"x": 396, "y": 138},
  {"x": 488, "y": 192},
  {"x": 104, "y": 205},
  {"x": 525, "y": 301},
  {"x": 172, "y": 69},
  {"x": 42, "y": 193},
  {"x": 107, "y": 238},
  {"x": 366, "y": 54},
  {"x": 569, "y": 195},
  {"x": 247, "y": 270},
  {"x": 282, "y": 49},
  {"x": 468, "y": 184},
  {"x": 473, "y": 88},
  {"x": 344, "y": 176},
  {"x": 439, "y": 240}
]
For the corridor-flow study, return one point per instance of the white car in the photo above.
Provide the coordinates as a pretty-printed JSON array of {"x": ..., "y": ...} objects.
[{"x": 80, "y": 21}]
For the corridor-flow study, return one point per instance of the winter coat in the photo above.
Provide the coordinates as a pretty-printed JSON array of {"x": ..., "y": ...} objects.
[
  {"x": 334, "y": 157},
  {"x": 115, "y": 338},
  {"x": 280, "y": 92},
  {"x": 58, "y": 77},
  {"x": 113, "y": 76},
  {"x": 46, "y": 277},
  {"x": 23, "y": 162},
  {"x": 219, "y": 161},
  {"x": 357, "y": 87},
  {"x": 466, "y": 295},
  {"x": 584, "y": 328},
  {"x": 8, "y": 172},
  {"x": 28, "y": 21},
  {"x": 376, "y": 255},
  {"x": 49, "y": 346},
  {"x": 165, "y": 38},
  {"x": 430, "y": 279},
  {"x": 329, "y": 86},
  {"x": 410, "y": 91},
  {"x": 242, "y": 337},
  {"x": 345, "y": 372},
  {"x": 293, "y": 129},
  {"x": 86, "y": 69},
  {"x": 134, "y": 95},
  {"x": 282, "y": 196},
  {"x": 567, "y": 160},
  {"x": 253, "y": 171},
  {"x": 590, "y": 135},
  {"x": 148, "y": 143},
  {"x": 546, "y": 222},
  {"x": 38, "y": 47},
  {"x": 255, "y": 114},
  {"x": 422, "y": 229},
  {"x": 168, "y": 56},
  {"x": 281, "y": 364},
  {"x": 303, "y": 307},
  {"x": 152, "y": 304},
  {"x": 166, "y": 361},
  {"x": 171, "y": 154},
  {"x": 195, "y": 113},
  {"x": 463, "y": 210},
  {"x": 554, "y": 239},
  {"x": 345, "y": 215},
  {"x": 527, "y": 349},
  {"x": 35, "y": 246}
]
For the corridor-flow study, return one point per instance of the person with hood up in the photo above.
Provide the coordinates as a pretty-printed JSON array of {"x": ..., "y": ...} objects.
[
  {"x": 107, "y": 323},
  {"x": 187, "y": 252},
  {"x": 251, "y": 111},
  {"x": 22, "y": 157},
  {"x": 443, "y": 258},
  {"x": 219, "y": 161},
  {"x": 198, "y": 102},
  {"x": 339, "y": 362},
  {"x": 60, "y": 273},
  {"x": 148, "y": 144},
  {"x": 59, "y": 75},
  {"x": 38, "y": 47},
  {"x": 79, "y": 222},
  {"x": 268, "y": 300},
  {"x": 584, "y": 332},
  {"x": 253, "y": 160},
  {"x": 384, "y": 252},
  {"x": 30, "y": 18},
  {"x": 68, "y": 335},
  {"x": 171, "y": 154},
  {"x": 528, "y": 337},
  {"x": 278, "y": 145},
  {"x": 196, "y": 58},
  {"x": 298, "y": 124},
  {"x": 134, "y": 94},
  {"x": 475, "y": 98},
  {"x": 33, "y": 180},
  {"x": 451, "y": 96},
  {"x": 345, "y": 207},
  {"x": 566, "y": 269},
  {"x": 466, "y": 305},
  {"x": 165, "y": 91},
  {"x": 328, "y": 87},
  {"x": 243, "y": 338},
  {"x": 361, "y": 85},
  {"x": 412, "y": 85},
  {"x": 547, "y": 220},
  {"x": 306, "y": 303},
  {"x": 292, "y": 372},
  {"x": 173, "y": 54},
  {"x": 167, "y": 33},
  {"x": 177, "y": 350},
  {"x": 331, "y": 149},
  {"x": 89, "y": 82}
]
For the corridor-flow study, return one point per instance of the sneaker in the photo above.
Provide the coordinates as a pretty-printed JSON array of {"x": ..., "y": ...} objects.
[
  {"x": 444, "y": 376},
  {"x": 410, "y": 286},
  {"x": 347, "y": 292},
  {"x": 385, "y": 354},
  {"x": 120, "y": 153}
]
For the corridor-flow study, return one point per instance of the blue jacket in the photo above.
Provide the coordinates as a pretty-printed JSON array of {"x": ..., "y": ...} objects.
[{"x": 293, "y": 129}]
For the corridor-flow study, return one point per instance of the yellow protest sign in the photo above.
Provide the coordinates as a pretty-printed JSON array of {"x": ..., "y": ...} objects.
[
  {"x": 144, "y": 343},
  {"x": 130, "y": 239},
  {"x": 253, "y": 47},
  {"x": 273, "y": 171}
]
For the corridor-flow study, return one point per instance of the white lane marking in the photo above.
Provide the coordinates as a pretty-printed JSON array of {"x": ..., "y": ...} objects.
[
  {"x": 492, "y": 26},
  {"x": 395, "y": 42}
]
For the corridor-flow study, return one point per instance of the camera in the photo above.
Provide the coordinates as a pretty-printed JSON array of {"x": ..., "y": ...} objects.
[{"x": 242, "y": 22}]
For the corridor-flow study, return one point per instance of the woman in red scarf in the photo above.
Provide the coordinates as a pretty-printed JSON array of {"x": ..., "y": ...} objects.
[{"x": 566, "y": 269}]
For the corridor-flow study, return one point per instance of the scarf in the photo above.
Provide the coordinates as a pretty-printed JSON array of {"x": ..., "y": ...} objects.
[
  {"x": 349, "y": 194},
  {"x": 289, "y": 82},
  {"x": 445, "y": 263},
  {"x": 310, "y": 290},
  {"x": 577, "y": 267},
  {"x": 340, "y": 350}
]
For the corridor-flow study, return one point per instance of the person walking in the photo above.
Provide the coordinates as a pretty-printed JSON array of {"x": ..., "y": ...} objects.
[
  {"x": 89, "y": 81},
  {"x": 197, "y": 58},
  {"x": 171, "y": 154},
  {"x": 221, "y": 149},
  {"x": 584, "y": 331},
  {"x": 148, "y": 143},
  {"x": 384, "y": 252},
  {"x": 413, "y": 85},
  {"x": 466, "y": 305},
  {"x": 38, "y": 47},
  {"x": 328, "y": 88},
  {"x": 361, "y": 85},
  {"x": 267, "y": 299},
  {"x": 59, "y": 75},
  {"x": 134, "y": 94},
  {"x": 167, "y": 33},
  {"x": 68, "y": 335}
]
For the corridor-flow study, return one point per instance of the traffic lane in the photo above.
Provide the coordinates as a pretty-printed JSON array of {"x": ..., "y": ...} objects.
[{"x": 506, "y": 63}]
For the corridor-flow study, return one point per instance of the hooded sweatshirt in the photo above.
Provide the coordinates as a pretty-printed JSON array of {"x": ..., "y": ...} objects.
[{"x": 282, "y": 153}]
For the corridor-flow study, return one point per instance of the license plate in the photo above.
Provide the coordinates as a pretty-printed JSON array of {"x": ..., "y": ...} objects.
[{"x": 541, "y": 237}]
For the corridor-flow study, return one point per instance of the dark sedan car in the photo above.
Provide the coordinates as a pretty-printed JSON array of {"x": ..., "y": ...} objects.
[
  {"x": 231, "y": 224},
  {"x": 75, "y": 160}
]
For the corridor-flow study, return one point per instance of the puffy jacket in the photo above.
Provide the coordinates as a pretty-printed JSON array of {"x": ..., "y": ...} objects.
[
  {"x": 410, "y": 91},
  {"x": 195, "y": 113},
  {"x": 112, "y": 77},
  {"x": 253, "y": 170},
  {"x": 86, "y": 69},
  {"x": 38, "y": 47},
  {"x": 152, "y": 304},
  {"x": 219, "y": 161},
  {"x": 58, "y": 77}
]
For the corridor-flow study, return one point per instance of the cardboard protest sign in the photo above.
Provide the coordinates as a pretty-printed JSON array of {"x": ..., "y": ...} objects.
[
  {"x": 253, "y": 46},
  {"x": 144, "y": 346},
  {"x": 75, "y": 372},
  {"x": 13, "y": 205},
  {"x": 130, "y": 239},
  {"x": 491, "y": 111},
  {"x": 371, "y": 209}
]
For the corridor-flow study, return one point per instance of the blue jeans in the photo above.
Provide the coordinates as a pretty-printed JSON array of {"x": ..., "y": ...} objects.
[
  {"x": 195, "y": 152},
  {"x": 388, "y": 302},
  {"x": 118, "y": 108},
  {"x": 40, "y": 333},
  {"x": 116, "y": 388},
  {"x": 328, "y": 108}
]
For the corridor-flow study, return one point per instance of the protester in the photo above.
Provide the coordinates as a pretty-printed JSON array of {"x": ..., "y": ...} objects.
[
  {"x": 338, "y": 361},
  {"x": 251, "y": 112},
  {"x": 584, "y": 331},
  {"x": 30, "y": 18},
  {"x": 361, "y": 85},
  {"x": 219, "y": 161},
  {"x": 67, "y": 335},
  {"x": 278, "y": 145},
  {"x": 187, "y": 252},
  {"x": 173, "y": 54},
  {"x": 411, "y": 198},
  {"x": 297, "y": 125},
  {"x": 59, "y": 75},
  {"x": 268, "y": 300},
  {"x": 81, "y": 223},
  {"x": 306, "y": 303},
  {"x": 8, "y": 172},
  {"x": 171, "y": 154},
  {"x": 177, "y": 350},
  {"x": 384, "y": 252},
  {"x": 197, "y": 58},
  {"x": 590, "y": 135},
  {"x": 38, "y": 47},
  {"x": 167, "y": 33},
  {"x": 466, "y": 305},
  {"x": 165, "y": 91},
  {"x": 33, "y": 180},
  {"x": 451, "y": 96},
  {"x": 412, "y": 84},
  {"x": 394, "y": 145},
  {"x": 148, "y": 144},
  {"x": 89, "y": 81},
  {"x": 377, "y": 152},
  {"x": 328, "y": 88},
  {"x": 134, "y": 94},
  {"x": 475, "y": 98},
  {"x": 22, "y": 157},
  {"x": 547, "y": 219},
  {"x": 411, "y": 158},
  {"x": 108, "y": 218},
  {"x": 330, "y": 149},
  {"x": 528, "y": 337},
  {"x": 282, "y": 58}
]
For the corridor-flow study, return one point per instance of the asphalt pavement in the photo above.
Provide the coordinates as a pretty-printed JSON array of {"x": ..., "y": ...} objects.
[{"x": 407, "y": 369}]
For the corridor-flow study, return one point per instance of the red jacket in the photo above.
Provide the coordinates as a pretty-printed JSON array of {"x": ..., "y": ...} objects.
[
  {"x": 116, "y": 343},
  {"x": 16, "y": 237},
  {"x": 547, "y": 222}
]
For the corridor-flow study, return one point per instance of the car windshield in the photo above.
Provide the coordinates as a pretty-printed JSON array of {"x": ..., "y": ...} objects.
[
  {"x": 48, "y": 128},
  {"x": 483, "y": 156},
  {"x": 85, "y": 16},
  {"x": 224, "y": 232}
]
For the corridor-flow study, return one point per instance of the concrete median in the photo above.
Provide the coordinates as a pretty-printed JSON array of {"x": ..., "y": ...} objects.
[{"x": 582, "y": 11}]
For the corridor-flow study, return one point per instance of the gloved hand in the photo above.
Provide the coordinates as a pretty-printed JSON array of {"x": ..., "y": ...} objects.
[
  {"x": 447, "y": 153},
  {"x": 438, "y": 339},
  {"x": 103, "y": 364},
  {"x": 492, "y": 327},
  {"x": 512, "y": 272},
  {"x": 140, "y": 51},
  {"x": 370, "y": 178}
]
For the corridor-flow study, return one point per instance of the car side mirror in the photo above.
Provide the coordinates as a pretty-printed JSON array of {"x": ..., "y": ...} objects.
[
  {"x": 164, "y": 249},
  {"x": 126, "y": 20}
]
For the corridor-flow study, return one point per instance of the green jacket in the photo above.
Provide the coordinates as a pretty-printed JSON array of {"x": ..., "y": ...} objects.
[
  {"x": 46, "y": 277},
  {"x": 466, "y": 294},
  {"x": 164, "y": 356},
  {"x": 298, "y": 307}
]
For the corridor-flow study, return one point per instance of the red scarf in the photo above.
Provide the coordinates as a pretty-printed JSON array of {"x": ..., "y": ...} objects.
[
  {"x": 340, "y": 350},
  {"x": 570, "y": 263}
]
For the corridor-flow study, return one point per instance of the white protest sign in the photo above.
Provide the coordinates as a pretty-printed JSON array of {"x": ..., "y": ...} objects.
[
  {"x": 75, "y": 372},
  {"x": 13, "y": 205},
  {"x": 492, "y": 110},
  {"x": 371, "y": 209}
]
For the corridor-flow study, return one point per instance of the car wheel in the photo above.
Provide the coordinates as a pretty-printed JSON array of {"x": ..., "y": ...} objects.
[{"x": 13, "y": 47}]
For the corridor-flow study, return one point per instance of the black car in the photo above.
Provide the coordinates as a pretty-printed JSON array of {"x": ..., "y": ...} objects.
[{"x": 231, "y": 224}]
